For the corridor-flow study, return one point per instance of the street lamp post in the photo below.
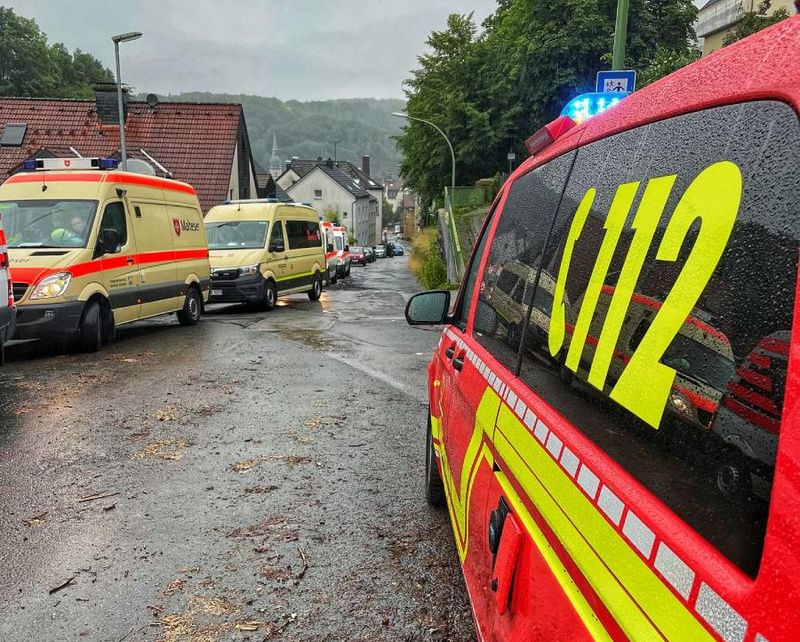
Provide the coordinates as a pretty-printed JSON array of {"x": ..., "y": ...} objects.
[
  {"x": 452, "y": 154},
  {"x": 123, "y": 37},
  {"x": 620, "y": 35}
]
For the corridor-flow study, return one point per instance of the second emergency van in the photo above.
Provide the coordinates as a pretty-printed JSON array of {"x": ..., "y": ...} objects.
[
  {"x": 92, "y": 248},
  {"x": 262, "y": 249},
  {"x": 619, "y": 450}
]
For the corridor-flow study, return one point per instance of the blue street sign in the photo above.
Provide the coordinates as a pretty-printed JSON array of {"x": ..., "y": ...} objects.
[{"x": 620, "y": 81}]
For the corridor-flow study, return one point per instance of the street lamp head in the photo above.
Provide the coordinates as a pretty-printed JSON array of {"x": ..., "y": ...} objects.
[
  {"x": 399, "y": 114},
  {"x": 125, "y": 37}
]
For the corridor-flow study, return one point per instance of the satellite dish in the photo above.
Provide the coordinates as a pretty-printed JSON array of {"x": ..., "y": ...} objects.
[
  {"x": 138, "y": 166},
  {"x": 152, "y": 101}
]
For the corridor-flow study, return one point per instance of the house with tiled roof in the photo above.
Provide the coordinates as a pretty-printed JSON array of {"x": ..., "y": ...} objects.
[
  {"x": 203, "y": 144},
  {"x": 717, "y": 18},
  {"x": 334, "y": 193}
]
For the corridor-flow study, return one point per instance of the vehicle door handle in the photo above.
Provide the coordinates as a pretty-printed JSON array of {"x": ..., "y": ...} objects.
[
  {"x": 458, "y": 362},
  {"x": 449, "y": 352},
  {"x": 130, "y": 260}
]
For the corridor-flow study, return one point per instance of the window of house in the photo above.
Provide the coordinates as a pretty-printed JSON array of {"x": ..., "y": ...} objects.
[
  {"x": 679, "y": 220},
  {"x": 318, "y": 193},
  {"x": 13, "y": 134}
]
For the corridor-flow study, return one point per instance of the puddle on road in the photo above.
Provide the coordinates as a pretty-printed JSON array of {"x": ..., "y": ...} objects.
[{"x": 307, "y": 337}]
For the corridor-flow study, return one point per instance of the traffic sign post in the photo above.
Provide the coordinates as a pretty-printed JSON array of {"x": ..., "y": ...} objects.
[{"x": 620, "y": 81}]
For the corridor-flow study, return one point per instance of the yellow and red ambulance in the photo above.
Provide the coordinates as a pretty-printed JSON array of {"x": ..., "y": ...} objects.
[
  {"x": 590, "y": 507},
  {"x": 92, "y": 248}
]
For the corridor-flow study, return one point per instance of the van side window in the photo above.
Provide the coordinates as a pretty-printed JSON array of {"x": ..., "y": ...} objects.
[
  {"x": 303, "y": 234},
  {"x": 114, "y": 219},
  {"x": 276, "y": 238},
  {"x": 464, "y": 304},
  {"x": 514, "y": 258},
  {"x": 665, "y": 342}
]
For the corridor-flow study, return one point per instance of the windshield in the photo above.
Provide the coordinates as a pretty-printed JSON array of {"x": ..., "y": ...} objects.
[
  {"x": 48, "y": 223},
  {"x": 694, "y": 360},
  {"x": 357, "y": 250},
  {"x": 236, "y": 235}
]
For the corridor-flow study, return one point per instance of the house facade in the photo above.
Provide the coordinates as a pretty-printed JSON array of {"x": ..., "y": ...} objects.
[
  {"x": 203, "y": 144},
  {"x": 334, "y": 194},
  {"x": 717, "y": 18}
]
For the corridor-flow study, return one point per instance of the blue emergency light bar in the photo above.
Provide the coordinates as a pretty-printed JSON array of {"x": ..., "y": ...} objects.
[
  {"x": 69, "y": 163},
  {"x": 583, "y": 107}
]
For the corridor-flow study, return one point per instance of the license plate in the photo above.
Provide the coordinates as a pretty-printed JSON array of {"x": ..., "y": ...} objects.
[{"x": 216, "y": 292}]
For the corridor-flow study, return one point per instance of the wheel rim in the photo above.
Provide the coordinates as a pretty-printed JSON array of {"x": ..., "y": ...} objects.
[
  {"x": 728, "y": 478},
  {"x": 317, "y": 287},
  {"x": 270, "y": 295},
  {"x": 194, "y": 307}
]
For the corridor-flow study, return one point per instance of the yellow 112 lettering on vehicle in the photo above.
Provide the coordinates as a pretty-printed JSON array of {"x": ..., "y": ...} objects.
[{"x": 713, "y": 198}]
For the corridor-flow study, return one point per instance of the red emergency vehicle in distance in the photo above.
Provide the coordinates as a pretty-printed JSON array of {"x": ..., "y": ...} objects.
[
  {"x": 7, "y": 308},
  {"x": 337, "y": 251},
  {"x": 583, "y": 507}
]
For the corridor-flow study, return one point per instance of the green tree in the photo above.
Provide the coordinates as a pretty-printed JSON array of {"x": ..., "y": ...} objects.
[
  {"x": 754, "y": 21},
  {"x": 31, "y": 67}
]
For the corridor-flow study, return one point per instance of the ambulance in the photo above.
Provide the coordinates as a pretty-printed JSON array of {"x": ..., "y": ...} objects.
[
  {"x": 337, "y": 252},
  {"x": 92, "y": 248},
  {"x": 7, "y": 308},
  {"x": 670, "y": 226},
  {"x": 261, "y": 249}
]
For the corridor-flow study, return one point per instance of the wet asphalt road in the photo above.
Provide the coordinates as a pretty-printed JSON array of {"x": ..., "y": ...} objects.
[{"x": 257, "y": 477}]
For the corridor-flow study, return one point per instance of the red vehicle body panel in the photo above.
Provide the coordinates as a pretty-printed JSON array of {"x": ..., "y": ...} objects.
[{"x": 764, "y": 66}]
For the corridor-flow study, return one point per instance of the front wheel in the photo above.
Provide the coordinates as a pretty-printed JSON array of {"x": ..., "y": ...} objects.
[
  {"x": 316, "y": 288},
  {"x": 90, "y": 332},
  {"x": 434, "y": 488},
  {"x": 192, "y": 308},
  {"x": 270, "y": 296}
]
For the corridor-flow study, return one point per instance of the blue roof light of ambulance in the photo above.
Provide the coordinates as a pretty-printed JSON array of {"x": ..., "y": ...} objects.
[
  {"x": 583, "y": 107},
  {"x": 29, "y": 165},
  {"x": 109, "y": 163}
]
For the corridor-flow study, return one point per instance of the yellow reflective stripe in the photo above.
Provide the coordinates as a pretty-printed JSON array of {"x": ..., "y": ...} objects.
[
  {"x": 573, "y": 593},
  {"x": 459, "y": 500},
  {"x": 616, "y": 572},
  {"x": 293, "y": 276},
  {"x": 436, "y": 427}
]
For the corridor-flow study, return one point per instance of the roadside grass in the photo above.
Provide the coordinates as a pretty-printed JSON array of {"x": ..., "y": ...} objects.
[{"x": 426, "y": 262}]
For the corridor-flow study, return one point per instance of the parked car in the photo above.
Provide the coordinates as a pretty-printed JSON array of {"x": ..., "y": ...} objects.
[
  {"x": 7, "y": 307},
  {"x": 597, "y": 470},
  {"x": 370, "y": 253},
  {"x": 398, "y": 249},
  {"x": 389, "y": 249},
  {"x": 100, "y": 248},
  {"x": 380, "y": 251},
  {"x": 358, "y": 255},
  {"x": 262, "y": 250}
]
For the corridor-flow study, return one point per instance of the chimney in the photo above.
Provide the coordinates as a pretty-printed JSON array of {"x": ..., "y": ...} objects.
[
  {"x": 105, "y": 95},
  {"x": 329, "y": 163},
  {"x": 288, "y": 164},
  {"x": 365, "y": 165}
]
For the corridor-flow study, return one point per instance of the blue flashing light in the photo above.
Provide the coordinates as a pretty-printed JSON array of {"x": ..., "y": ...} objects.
[
  {"x": 583, "y": 107},
  {"x": 109, "y": 163},
  {"x": 29, "y": 165}
]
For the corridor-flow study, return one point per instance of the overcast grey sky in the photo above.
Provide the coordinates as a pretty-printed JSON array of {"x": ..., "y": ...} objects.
[{"x": 302, "y": 49}]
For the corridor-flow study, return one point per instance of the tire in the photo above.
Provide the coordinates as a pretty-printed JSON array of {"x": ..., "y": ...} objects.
[
  {"x": 270, "y": 296},
  {"x": 434, "y": 487},
  {"x": 192, "y": 308},
  {"x": 732, "y": 476},
  {"x": 334, "y": 278},
  {"x": 90, "y": 331},
  {"x": 316, "y": 288},
  {"x": 347, "y": 272}
]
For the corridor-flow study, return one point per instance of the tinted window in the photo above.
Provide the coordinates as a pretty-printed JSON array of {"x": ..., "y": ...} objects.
[
  {"x": 113, "y": 219},
  {"x": 465, "y": 299},
  {"x": 666, "y": 344},
  {"x": 512, "y": 271},
  {"x": 303, "y": 234}
]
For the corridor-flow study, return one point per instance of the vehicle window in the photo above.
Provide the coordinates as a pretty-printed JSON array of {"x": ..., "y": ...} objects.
[
  {"x": 514, "y": 258},
  {"x": 48, "y": 223},
  {"x": 303, "y": 234},
  {"x": 664, "y": 342},
  {"x": 276, "y": 239},
  {"x": 114, "y": 219},
  {"x": 465, "y": 300},
  {"x": 236, "y": 235},
  {"x": 338, "y": 242}
]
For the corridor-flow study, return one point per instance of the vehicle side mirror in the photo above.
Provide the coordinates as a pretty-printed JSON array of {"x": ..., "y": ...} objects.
[
  {"x": 346, "y": 248},
  {"x": 428, "y": 308},
  {"x": 485, "y": 320},
  {"x": 110, "y": 241},
  {"x": 277, "y": 247}
]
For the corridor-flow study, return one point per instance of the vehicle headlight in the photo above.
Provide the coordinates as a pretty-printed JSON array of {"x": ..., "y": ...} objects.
[
  {"x": 52, "y": 286},
  {"x": 682, "y": 405},
  {"x": 248, "y": 270}
]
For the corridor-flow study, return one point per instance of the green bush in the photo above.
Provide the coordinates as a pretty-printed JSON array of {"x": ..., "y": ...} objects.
[{"x": 426, "y": 262}]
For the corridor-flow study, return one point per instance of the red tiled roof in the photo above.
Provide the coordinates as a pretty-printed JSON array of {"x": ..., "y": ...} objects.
[{"x": 194, "y": 141}]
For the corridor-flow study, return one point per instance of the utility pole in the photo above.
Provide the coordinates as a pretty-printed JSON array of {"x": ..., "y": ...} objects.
[{"x": 620, "y": 35}]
